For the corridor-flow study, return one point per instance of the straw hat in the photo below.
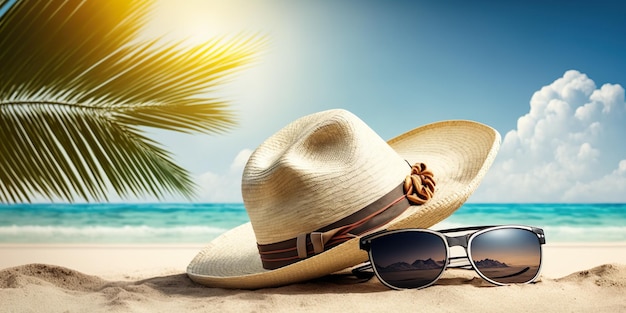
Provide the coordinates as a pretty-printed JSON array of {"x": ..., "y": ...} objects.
[{"x": 326, "y": 178}]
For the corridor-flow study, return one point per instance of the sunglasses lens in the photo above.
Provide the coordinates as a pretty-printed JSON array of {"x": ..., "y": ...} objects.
[
  {"x": 408, "y": 259},
  {"x": 507, "y": 255}
]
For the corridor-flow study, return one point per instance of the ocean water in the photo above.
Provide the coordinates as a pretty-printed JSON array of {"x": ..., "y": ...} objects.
[{"x": 200, "y": 223}]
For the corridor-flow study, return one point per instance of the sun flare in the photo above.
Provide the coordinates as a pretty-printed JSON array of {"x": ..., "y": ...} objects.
[{"x": 195, "y": 21}]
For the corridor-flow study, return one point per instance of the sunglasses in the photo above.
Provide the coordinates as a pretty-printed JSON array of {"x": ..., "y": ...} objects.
[{"x": 416, "y": 258}]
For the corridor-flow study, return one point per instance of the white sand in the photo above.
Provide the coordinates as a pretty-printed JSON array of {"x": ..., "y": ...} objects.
[
  {"x": 107, "y": 261},
  {"x": 150, "y": 278}
]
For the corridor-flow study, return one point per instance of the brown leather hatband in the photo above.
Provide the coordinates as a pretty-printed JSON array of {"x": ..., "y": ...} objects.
[
  {"x": 373, "y": 216},
  {"x": 417, "y": 189}
]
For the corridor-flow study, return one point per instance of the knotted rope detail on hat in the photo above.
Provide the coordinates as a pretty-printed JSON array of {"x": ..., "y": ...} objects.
[
  {"x": 416, "y": 189},
  {"x": 419, "y": 186}
]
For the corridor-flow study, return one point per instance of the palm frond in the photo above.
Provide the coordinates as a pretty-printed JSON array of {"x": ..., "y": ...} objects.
[{"x": 77, "y": 86}]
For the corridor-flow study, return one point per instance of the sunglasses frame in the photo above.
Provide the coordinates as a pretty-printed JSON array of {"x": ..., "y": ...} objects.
[{"x": 464, "y": 241}]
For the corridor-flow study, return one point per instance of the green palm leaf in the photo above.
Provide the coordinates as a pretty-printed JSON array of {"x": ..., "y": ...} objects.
[{"x": 77, "y": 87}]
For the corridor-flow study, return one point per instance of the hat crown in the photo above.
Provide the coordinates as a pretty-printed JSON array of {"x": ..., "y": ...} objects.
[{"x": 316, "y": 171}]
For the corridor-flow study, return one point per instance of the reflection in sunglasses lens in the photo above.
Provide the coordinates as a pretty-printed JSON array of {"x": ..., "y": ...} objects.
[
  {"x": 507, "y": 255},
  {"x": 408, "y": 259}
]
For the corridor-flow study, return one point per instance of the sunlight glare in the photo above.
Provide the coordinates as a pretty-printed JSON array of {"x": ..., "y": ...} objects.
[{"x": 196, "y": 21}]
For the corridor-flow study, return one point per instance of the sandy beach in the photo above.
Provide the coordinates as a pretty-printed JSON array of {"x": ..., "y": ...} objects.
[{"x": 150, "y": 278}]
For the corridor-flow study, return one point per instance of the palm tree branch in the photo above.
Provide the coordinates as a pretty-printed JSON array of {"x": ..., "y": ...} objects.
[
  {"x": 77, "y": 86},
  {"x": 47, "y": 43},
  {"x": 80, "y": 149}
]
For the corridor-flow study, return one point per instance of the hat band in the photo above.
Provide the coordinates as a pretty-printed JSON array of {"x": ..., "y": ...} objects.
[
  {"x": 417, "y": 188},
  {"x": 375, "y": 215}
]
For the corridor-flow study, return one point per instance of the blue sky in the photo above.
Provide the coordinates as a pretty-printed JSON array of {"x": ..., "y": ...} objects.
[
  {"x": 548, "y": 75},
  {"x": 401, "y": 64}
]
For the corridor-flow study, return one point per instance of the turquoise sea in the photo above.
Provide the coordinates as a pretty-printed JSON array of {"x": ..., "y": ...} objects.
[{"x": 200, "y": 223}]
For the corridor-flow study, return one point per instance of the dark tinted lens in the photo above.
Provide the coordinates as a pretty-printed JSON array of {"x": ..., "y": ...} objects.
[
  {"x": 507, "y": 255},
  {"x": 408, "y": 259}
]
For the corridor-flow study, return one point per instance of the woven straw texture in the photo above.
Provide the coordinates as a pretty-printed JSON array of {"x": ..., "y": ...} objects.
[{"x": 325, "y": 166}]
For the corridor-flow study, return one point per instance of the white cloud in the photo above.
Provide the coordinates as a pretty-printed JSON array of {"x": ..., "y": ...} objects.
[
  {"x": 569, "y": 147},
  {"x": 240, "y": 160},
  {"x": 609, "y": 188},
  {"x": 224, "y": 187},
  {"x": 622, "y": 167}
]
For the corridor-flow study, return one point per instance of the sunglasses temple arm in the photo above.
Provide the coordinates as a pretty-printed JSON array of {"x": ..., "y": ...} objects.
[
  {"x": 364, "y": 271},
  {"x": 515, "y": 274}
]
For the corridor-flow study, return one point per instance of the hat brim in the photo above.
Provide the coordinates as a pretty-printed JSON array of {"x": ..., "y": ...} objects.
[{"x": 459, "y": 153}]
